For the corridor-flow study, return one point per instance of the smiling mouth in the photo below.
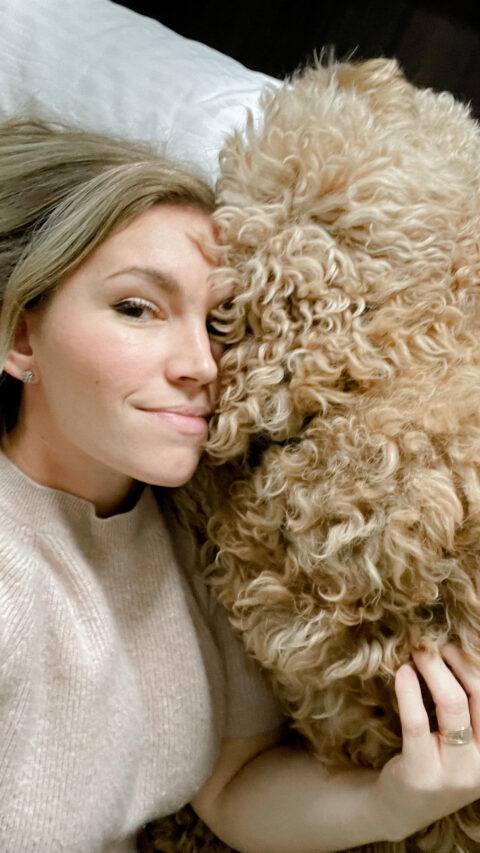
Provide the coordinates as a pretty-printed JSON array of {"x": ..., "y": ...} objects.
[{"x": 187, "y": 421}]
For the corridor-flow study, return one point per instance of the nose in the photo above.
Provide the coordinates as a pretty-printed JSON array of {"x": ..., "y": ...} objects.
[{"x": 191, "y": 359}]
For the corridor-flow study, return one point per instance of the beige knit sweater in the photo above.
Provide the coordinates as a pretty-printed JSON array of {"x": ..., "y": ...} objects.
[{"x": 118, "y": 675}]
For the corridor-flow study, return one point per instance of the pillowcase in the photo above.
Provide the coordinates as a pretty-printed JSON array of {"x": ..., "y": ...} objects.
[{"x": 102, "y": 67}]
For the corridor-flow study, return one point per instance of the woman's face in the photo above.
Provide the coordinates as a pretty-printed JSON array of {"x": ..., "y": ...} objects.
[{"x": 125, "y": 371}]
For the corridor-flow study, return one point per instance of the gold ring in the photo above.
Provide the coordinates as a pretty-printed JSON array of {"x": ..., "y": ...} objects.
[{"x": 457, "y": 737}]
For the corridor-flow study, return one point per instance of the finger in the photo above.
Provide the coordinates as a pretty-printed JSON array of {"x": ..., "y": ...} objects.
[
  {"x": 467, "y": 670},
  {"x": 451, "y": 701},
  {"x": 417, "y": 738}
]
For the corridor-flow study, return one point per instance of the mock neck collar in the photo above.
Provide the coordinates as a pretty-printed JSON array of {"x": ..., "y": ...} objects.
[{"x": 41, "y": 506}]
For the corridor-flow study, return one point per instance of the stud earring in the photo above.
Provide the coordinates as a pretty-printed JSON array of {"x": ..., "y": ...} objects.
[{"x": 27, "y": 376}]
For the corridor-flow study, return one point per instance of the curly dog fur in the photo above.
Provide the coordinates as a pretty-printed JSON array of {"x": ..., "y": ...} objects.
[{"x": 348, "y": 430}]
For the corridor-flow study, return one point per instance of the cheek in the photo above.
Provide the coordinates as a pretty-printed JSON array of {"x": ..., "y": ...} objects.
[{"x": 89, "y": 360}]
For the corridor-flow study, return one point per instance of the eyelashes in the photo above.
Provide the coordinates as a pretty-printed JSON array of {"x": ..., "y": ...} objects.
[
  {"x": 136, "y": 309},
  {"x": 141, "y": 310}
]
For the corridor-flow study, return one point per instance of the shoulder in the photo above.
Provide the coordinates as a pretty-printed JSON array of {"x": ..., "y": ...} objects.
[
  {"x": 17, "y": 561},
  {"x": 21, "y": 580},
  {"x": 18, "y": 622}
]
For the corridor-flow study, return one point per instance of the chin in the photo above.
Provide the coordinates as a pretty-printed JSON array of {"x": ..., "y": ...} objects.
[{"x": 170, "y": 475}]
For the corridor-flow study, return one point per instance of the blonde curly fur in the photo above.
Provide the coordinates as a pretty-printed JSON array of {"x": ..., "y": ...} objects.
[{"x": 348, "y": 428}]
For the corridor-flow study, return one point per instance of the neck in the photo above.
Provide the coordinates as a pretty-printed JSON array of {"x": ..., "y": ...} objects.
[{"x": 110, "y": 492}]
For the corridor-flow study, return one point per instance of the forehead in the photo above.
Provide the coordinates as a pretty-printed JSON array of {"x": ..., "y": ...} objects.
[
  {"x": 165, "y": 236},
  {"x": 167, "y": 246},
  {"x": 162, "y": 230}
]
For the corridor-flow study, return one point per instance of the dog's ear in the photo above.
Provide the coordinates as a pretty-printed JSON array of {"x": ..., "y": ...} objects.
[{"x": 381, "y": 78}]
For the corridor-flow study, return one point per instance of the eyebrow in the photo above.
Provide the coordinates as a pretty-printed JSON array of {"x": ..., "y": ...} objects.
[{"x": 163, "y": 279}]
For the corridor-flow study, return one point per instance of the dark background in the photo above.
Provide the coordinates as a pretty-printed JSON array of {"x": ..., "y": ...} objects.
[{"x": 437, "y": 43}]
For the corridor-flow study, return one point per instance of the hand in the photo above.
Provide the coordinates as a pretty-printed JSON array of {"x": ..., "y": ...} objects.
[{"x": 431, "y": 779}]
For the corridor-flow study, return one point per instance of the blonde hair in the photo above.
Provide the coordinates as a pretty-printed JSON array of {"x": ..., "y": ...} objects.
[{"x": 62, "y": 192}]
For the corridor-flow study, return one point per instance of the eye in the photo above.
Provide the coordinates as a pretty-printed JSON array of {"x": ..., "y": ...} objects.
[
  {"x": 215, "y": 328},
  {"x": 137, "y": 309},
  {"x": 218, "y": 321},
  {"x": 211, "y": 327}
]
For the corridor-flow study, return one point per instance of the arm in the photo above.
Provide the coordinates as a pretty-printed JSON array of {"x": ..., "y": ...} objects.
[
  {"x": 273, "y": 799},
  {"x": 284, "y": 801}
]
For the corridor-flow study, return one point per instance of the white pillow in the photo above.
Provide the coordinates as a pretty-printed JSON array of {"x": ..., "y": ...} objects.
[{"x": 109, "y": 69}]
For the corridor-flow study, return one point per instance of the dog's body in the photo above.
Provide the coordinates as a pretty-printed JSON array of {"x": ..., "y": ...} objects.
[
  {"x": 348, "y": 430},
  {"x": 351, "y": 231}
]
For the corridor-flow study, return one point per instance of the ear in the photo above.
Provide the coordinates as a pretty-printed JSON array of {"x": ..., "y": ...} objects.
[
  {"x": 382, "y": 80},
  {"x": 20, "y": 356}
]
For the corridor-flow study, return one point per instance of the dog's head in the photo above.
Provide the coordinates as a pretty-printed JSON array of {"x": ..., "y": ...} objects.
[
  {"x": 350, "y": 223},
  {"x": 350, "y": 231}
]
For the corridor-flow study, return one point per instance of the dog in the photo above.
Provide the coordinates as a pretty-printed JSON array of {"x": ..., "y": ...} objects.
[{"x": 345, "y": 531}]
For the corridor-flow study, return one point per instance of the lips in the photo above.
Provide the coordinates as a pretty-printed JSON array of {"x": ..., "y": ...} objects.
[{"x": 189, "y": 420}]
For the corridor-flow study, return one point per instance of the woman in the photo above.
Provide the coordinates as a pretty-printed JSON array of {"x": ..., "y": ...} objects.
[{"x": 123, "y": 693}]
